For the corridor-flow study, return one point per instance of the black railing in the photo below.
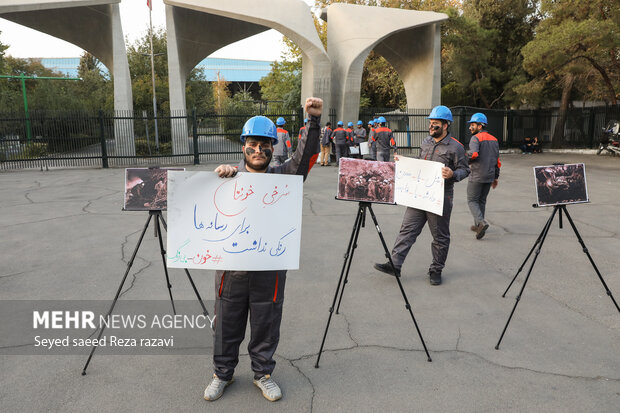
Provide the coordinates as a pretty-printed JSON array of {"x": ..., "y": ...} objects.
[{"x": 60, "y": 139}]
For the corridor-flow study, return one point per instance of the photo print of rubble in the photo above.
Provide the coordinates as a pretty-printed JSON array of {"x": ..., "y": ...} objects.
[{"x": 561, "y": 184}]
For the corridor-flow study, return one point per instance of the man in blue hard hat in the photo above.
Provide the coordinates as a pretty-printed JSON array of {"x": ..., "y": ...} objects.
[
  {"x": 349, "y": 130},
  {"x": 282, "y": 150},
  {"x": 483, "y": 156},
  {"x": 439, "y": 146},
  {"x": 371, "y": 139},
  {"x": 260, "y": 293},
  {"x": 384, "y": 140},
  {"x": 303, "y": 131},
  {"x": 340, "y": 138},
  {"x": 359, "y": 136}
]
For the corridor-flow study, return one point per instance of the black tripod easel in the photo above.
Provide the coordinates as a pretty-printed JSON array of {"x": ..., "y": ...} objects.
[
  {"x": 360, "y": 222},
  {"x": 158, "y": 218},
  {"x": 558, "y": 209}
]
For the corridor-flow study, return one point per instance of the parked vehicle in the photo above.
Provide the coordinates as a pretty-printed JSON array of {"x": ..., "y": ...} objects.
[{"x": 610, "y": 141}]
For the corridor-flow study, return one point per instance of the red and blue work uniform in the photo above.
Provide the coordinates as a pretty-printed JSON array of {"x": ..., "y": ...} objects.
[
  {"x": 484, "y": 163},
  {"x": 384, "y": 139},
  {"x": 283, "y": 149}
]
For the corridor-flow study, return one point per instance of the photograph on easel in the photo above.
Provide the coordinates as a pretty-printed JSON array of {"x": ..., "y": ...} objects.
[
  {"x": 366, "y": 181},
  {"x": 561, "y": 184},
  {"x": 146, "y": 189}
]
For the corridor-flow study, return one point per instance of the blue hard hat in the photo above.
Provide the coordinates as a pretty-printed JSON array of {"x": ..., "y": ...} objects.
[
  {"x": 280, "y": 121},
  {"x": 305, "y": 121},
  {"x": 376, "y": 120},
  {"x": 441, "y": 112},
  {"x": 340, "y": 123},
  {"x": 359, "y": 122},
  {"x": 371, "y": 122},
  {"x": 260, "y": 126},
  {"x": 478, "y": 118},
  {"x": 381, "y": 119},
  {"x": 350, "y": 124}
]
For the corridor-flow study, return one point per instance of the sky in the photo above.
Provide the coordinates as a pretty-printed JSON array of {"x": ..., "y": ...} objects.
[{"x": 25, "y": 42}]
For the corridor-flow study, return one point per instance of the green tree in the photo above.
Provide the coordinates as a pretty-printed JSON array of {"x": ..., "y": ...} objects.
[
  {"x": 139, "y": 58},
  {"x": 198, "y": 90},
  {"x": 283, "y": 83},
  {"x": 41, "y": 94},
  {"x": 95, "y": 91},
  {"x": 481, "y": 59},
  {"x": 575, "y": 52}
]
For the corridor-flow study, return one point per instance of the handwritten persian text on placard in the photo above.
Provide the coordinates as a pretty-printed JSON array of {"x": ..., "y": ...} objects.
[
  {"x": 251, "y": 222},
  {"x": 419, "y": 184}
]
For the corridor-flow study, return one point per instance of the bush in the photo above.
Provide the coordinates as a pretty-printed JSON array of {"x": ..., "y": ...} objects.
[
  {"x": 35, "y": 150},
  {"x": 142, "y": 148}
]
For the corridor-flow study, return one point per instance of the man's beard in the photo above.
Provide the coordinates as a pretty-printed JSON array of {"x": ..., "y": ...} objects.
[
  {"x": 257, "y": 162},
  {"x": 437, "y": 133}
]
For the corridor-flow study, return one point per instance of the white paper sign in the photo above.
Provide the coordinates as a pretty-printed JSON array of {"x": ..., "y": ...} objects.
[
  {"x": 364, "y": 148},
  {"x": 251, "y": 222},
  {"x": 418, "y": 184}
]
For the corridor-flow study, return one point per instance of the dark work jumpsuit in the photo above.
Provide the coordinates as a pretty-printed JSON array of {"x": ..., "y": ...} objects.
[
  {"x": 259, "y": 293},
  {"x": 340, "y": 138},
  {"x": 451, "y": 153}
]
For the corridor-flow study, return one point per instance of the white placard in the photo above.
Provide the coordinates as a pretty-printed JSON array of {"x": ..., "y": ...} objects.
[
  {"x": 418, "y": 184},
  {"x": 364, "y": 148},
  {"x": 251, "y": 222}
]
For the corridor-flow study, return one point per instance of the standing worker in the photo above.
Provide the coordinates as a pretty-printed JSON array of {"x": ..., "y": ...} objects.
[
  {"x": 483, "y": 156},
  {"x": 440, "y": 146},
  {"x": 282, "y": 150},
  {"x": 261, "y": 293},
  {"x": 384, "y": 140},
  {"x": 339, "y": 136},
  {"x": 326, "y": 143},
  {"x": 359, "y": 136},
  {"x": 303, "y": 132},
  {"x": 349, "y": 130},
  {"x": 371, "y": 139}
]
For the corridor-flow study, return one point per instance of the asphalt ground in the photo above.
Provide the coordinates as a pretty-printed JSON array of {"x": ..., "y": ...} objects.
[{"x": 64, "y": 237}]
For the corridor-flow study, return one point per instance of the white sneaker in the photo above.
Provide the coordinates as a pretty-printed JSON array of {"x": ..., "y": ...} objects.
[
  {"x": 271, "y": 390},
  {"x": 215, "y": 389}
]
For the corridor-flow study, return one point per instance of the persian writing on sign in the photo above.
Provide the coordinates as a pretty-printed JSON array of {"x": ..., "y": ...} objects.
[
  {"x": 418, "y": 184},
  {"x": 251, "y": 222}
]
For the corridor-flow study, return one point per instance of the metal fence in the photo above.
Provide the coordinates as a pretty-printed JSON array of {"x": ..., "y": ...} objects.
[
  {"x": 583, "y": 127},
  {"x": 64, "y": 139}
]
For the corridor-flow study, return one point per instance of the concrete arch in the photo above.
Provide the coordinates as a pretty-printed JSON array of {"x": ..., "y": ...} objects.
[
  {"x": 408, "y": 39},
  {"x": 93, "y": 25},
  {"x": 191, "y": 37}
]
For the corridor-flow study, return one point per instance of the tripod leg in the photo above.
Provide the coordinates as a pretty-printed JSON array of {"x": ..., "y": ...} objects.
[
  {"x": 163, "y": 259},
  {"x": 189, "y": 277},
  {"x": 350, "y": 256},
  {"x": 202, "y": 304},
  {"x": 529, "y": 254},
  {"x": 356, "y": 228},
  {"x": 400, "y": 285},
  {"x": 585, "y": 250},
  {"x": 118, "y": 293},
  {"x": 542, "y": 241}
]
